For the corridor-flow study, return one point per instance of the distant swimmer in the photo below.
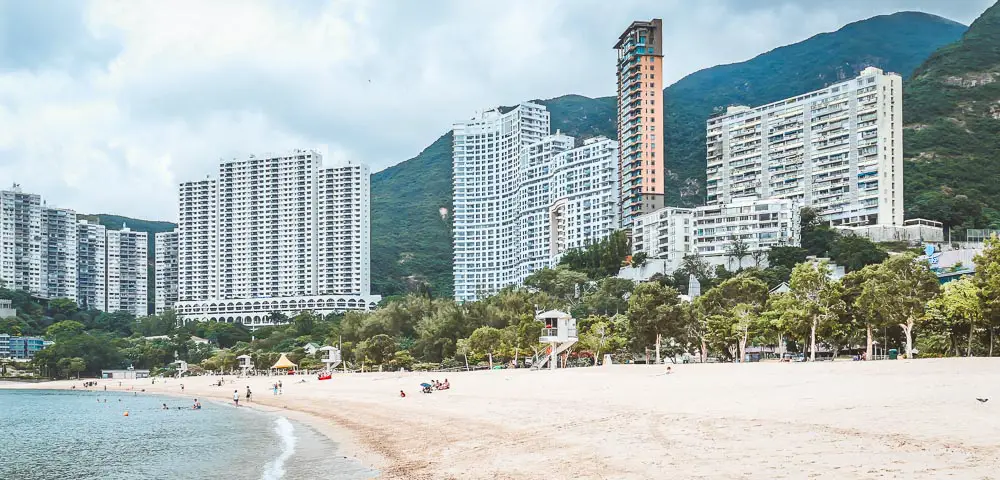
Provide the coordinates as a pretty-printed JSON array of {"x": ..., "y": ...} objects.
[
  {"x": 165, "y": 407},
  {"x": 196, "y": 405}
]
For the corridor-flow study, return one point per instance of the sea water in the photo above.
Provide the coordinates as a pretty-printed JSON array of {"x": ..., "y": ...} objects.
[{"x": 50, "y": 434}]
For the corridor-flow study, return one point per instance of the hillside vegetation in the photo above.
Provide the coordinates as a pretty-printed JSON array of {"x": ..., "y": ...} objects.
[{"x": 952, "y": 136}]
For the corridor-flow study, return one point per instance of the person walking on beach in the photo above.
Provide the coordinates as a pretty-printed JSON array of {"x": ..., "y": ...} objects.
[
  {"x": 275, "y": 386},
  {"x": 236, "y": 397},
  {"x": 279, "y": 387},
  {"x": 248, "y": 393},
  {"x": 182, "y": 388}
]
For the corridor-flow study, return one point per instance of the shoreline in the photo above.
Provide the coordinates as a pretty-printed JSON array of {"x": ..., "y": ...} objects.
[
  {"x": 916, "y": 419},
  {"x": 346, "y": 444}
]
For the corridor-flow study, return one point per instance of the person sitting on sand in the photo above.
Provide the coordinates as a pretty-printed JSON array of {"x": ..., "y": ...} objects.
[
  {"x": 402, "y": 394},
  {"x": 445, "y": 385}
]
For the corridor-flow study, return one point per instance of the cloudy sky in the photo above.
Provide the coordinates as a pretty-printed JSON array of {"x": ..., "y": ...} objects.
[{"x": 106, "y": 105}]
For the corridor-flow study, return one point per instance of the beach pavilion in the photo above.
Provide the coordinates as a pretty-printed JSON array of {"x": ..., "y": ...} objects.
[{"x": 283, "y": 363}]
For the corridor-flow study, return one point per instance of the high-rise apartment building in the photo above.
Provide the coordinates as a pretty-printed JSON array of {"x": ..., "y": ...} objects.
[
  {"x": 165, "y": 280},
  {"x": 20, "y": 240},
  {"x": 59, "y": 253},
  {"x": 197, "y": 249},
  {"x": 523, "y": 197},
  {"x": 127, "y": 274},
  {"x": 274, "y": 226},
  {"x": 640, "y": 119},
  {"x": 838, "y": 150},
  {"x": 344, "y": 229},
  {"x": 91, "y": 273}
]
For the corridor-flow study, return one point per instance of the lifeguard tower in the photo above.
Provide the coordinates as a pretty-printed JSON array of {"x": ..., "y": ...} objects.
[
  {"x": 182, "y": 367},
  {"x": 332, "y": 358},
  {"x": 245, "y": 364},
  {"x": 559, "y": 331}
]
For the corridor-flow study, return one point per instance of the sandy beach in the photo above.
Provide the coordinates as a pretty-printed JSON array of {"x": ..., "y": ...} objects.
[{"x": 893, "y": 419}]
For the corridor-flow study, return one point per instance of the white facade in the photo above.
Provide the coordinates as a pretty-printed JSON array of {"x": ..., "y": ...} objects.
[
  {"x": 486, "y": 155},
  {"x": 165, "y": 281},
  {"x": 838, "y": 150},
  {"x": 91, "y": 245},
  {"x": 127, "y": 263},
  {"x": 914, "y": 230},
  {"x": 666, "y": 234},
  {"x": 523, "y": 197},
  {"x": 344, "y": 230},
  {"x": 196, "y": 240},
  {"x": 275, "y": 226},
  {"x": 256, "y": 312},
  {"x": 20, "y": 240},
  {"x": 59, "y": 253},
  {"x": 757, "y": 224},
  {"x": 583, "y": 206}
]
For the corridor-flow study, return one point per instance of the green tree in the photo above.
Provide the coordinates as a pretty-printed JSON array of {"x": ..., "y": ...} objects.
[
  {"x": 730, "y": 312},
  {"x": 898, "y": 292},
  {"x": 305, "y": 323},
  {"x": 816, "y": 237},
  {"x": 72, "y": 366},
  {"x": 61, "y": 331},
  {"x": 987, "y": 280},
  {"x": 786, "y": 256},
  {"x": 561, "y": 283},
  {"x": 609, "y": 298},
  {"x": 486, "y": 340},
  {"x": 62, "y": 307},
  {"x": 654, "y": 314},
  {"x": 604, "y": 335},
  {"x": 960, "y": 301},
  {"x": 855, "y": 253},
  {"x": 816, "y": 297}
]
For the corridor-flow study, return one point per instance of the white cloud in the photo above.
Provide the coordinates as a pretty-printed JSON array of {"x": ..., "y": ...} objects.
[{"x": 105, "y": 106}]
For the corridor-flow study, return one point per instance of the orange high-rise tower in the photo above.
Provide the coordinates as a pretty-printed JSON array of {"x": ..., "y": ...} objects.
[{"x": 640, "y": 119}]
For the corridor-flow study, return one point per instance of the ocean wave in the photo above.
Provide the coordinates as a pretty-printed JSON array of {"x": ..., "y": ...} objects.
[{"x": 275, "y": 469}]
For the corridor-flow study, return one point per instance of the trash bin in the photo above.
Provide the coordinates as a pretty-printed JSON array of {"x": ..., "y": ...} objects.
[{"x": 893, "y": 353}]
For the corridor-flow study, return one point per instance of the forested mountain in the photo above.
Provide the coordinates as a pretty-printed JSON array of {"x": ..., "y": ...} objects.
[
  {"x": 952, "y": 139},
  {"x": 411, "y": 240}
]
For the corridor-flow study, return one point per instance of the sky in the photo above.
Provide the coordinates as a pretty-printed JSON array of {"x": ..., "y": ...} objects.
[{"x": 106, "y": 105}]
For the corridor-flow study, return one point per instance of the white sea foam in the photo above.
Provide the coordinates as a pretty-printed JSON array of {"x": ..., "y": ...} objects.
[{"x": 275, "y": 469}]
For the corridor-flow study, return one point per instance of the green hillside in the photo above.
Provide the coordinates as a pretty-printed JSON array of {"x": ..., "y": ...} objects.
[
  {"x": 952, "y": 136},
  {"x": 411, "y": 244},
  {"x": 115, "y": 222},
  {"x": 411, "y": 240}
]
